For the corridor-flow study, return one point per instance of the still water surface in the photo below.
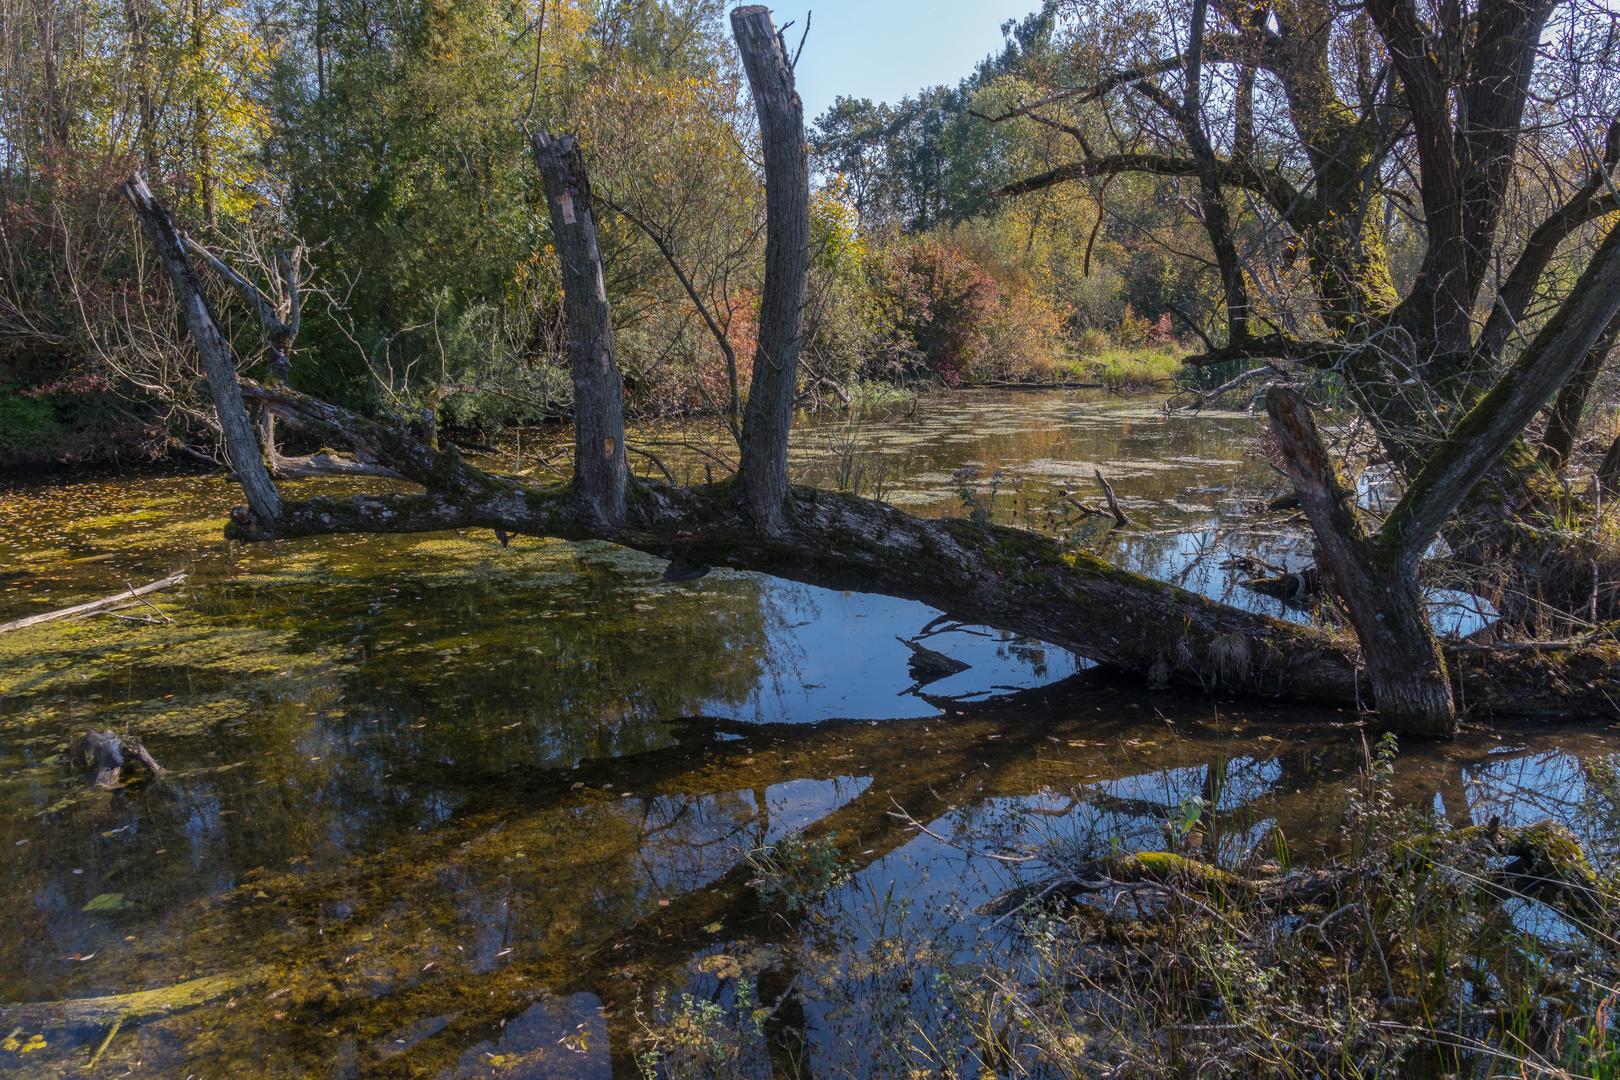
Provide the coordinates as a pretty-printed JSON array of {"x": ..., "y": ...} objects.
[{"x": 438, "y": 807}]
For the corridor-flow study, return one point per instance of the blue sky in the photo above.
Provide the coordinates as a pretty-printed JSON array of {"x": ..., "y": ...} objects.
[{"x": 886, "y": 49}]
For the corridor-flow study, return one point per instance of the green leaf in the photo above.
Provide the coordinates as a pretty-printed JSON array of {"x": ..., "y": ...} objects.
[{"x": 107, "y": 901}]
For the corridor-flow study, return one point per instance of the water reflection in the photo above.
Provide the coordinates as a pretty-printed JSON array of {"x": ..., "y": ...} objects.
[{"x": 445, "y": 806}]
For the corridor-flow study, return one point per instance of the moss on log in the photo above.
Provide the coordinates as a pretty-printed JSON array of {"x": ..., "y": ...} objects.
[{"x": 1010, "y": 579}]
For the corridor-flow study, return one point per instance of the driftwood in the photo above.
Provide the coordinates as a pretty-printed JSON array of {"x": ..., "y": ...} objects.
[
  {"x": 95, "y": 605},
  {"x": 124, "y": 1008},
  {"x": 104, "y": 752}
]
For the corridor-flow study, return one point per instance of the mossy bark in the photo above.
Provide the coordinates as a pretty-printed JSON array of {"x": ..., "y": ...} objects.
[{"x": 1377, "y": 584}]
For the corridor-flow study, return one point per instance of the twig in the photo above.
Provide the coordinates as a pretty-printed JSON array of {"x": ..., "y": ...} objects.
[
  {"x": 149, "y": 621},
  {"x": 112, "y": 1031},
  {"x": 914, "y": 823},
  {"x": 1113, "y": 504},
  {"x": 654, "y": 459},
  {"x": 148, "y": 603}
]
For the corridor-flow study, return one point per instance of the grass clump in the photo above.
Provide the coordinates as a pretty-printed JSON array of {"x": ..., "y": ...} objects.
[{"x": 1143, "y": 367}]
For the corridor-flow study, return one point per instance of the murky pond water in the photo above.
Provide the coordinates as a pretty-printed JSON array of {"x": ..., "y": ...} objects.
[{"x": 438, "y": 807}]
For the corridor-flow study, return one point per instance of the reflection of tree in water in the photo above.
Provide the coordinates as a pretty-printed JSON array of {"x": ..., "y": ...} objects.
[{"x": 557, "y": 865}]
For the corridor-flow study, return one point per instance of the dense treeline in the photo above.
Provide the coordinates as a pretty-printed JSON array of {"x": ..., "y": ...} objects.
[{"x": 382, "y": 150}]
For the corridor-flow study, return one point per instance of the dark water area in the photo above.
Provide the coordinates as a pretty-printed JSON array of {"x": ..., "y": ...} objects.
[{"x": 438, "y": 807}]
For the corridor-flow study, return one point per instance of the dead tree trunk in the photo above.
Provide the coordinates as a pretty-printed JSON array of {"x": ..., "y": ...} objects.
[
  {"x": 601, "y": 470},
  {"x": 103, "y": 751},
  {"x": 278, "y": 323},
  {"x": 241, "y": 447},
  {"x": 769, "y": 415}
]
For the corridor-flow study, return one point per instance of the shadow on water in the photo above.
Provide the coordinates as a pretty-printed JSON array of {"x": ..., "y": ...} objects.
[{"x": 439, "y": 807}]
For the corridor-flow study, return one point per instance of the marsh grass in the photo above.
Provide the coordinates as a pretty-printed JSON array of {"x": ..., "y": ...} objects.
[
  {"x": 852, "y": 464},
  {"x": 1421, "y": 949},
  {"x": 1145, "y": 367}
]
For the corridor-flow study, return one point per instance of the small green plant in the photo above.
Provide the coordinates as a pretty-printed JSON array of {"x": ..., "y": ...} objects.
[
  {"x": 695, "y": 1038},
  {"x": 980, "y": 508},
  {"x": 796, "y": 872}
]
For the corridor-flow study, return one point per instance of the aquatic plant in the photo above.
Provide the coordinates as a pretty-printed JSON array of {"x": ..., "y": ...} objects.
[
  {"x": 795, "y": 872},
  {"x": 690, "y": 1038}
]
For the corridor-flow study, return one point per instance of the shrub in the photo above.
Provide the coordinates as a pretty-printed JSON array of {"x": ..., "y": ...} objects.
[
  {"x": 1163, "y": 331},
  {"x": 937, "y": 306},
  {"x": 26, "y": 423},
  {"x": 1093, "y": 342},
  {"x": 1133, "y": 329}
]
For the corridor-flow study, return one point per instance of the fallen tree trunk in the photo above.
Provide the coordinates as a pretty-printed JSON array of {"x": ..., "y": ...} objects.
[
  {"x": 1008, "y": 578},
  {"x": 990, "y": 575},
  {"x": 95, "y": 605}
]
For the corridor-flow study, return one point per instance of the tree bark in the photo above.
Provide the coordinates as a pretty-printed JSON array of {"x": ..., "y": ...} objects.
[
  {"x": 1378, "y": 589},
  {"x": 241, "y": 446},
  {"x": 768, "y": 417},
  {"x": 601, "y": 467},
  {"x": 1564, "y": 420}
]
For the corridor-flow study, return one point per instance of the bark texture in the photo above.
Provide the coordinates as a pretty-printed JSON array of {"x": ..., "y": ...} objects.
[
  {"x": 1377, "y": 587},
  {"x": 241, "y": 445},
  {"x": 769, "y": 414},
  {"x": 601, "y": 466}
]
